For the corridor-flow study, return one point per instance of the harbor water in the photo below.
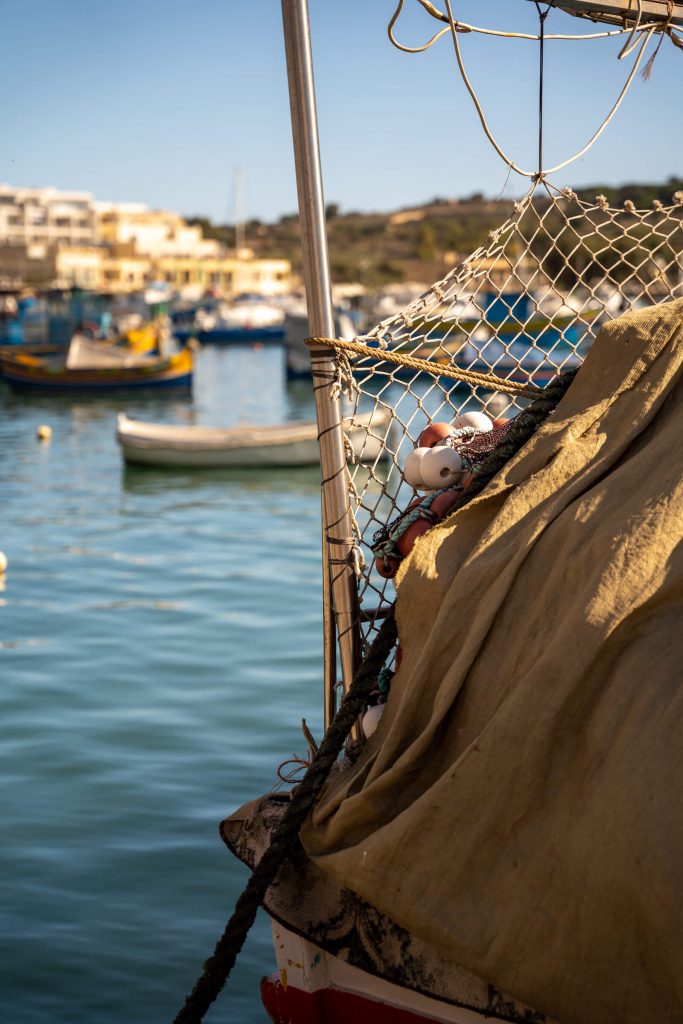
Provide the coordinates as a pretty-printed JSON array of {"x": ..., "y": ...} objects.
[{"x": 160, "y": 641}]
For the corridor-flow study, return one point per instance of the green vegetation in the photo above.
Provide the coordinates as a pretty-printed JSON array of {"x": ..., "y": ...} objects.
[{"x": 422, "y": 243}]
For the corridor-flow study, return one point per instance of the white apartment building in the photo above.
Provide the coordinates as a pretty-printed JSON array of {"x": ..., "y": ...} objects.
[
  {"x": 46, "y": 216},
  {"x": 48, "y": 237}
]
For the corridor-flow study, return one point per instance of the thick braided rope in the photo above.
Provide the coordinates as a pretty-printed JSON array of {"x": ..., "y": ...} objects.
[
  {"x": 523, "y": 426},
  {"x": 383, "y": 355},
  {"x": 218, "y": 966}
]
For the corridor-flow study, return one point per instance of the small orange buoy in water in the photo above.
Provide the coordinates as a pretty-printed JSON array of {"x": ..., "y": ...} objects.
[
  {"x": 44, "y": 432},
  {"x": 3, "y": 562}
]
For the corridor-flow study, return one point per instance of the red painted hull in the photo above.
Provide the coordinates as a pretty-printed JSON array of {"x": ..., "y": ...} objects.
[{"x": 290, "y": 1005}]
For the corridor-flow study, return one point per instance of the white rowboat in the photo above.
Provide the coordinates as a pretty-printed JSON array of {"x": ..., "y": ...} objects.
[{"x": 287, "y": 444}]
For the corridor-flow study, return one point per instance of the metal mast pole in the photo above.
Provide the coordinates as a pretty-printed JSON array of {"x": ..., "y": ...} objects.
[{"x": 338, "y": 573}]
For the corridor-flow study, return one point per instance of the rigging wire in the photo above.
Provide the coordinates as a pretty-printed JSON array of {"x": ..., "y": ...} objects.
[
  {"x": 647, "y": 35},
  {"x": 464, "y": 27},
  {"x": 542, "y": 15}
]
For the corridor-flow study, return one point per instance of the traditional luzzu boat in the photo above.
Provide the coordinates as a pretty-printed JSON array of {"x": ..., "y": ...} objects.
[
  {"x": 252, "y": 446},
  {"x": 142, "y": 340},
  {"x": 89, "y": 365},
  {"x": 490, "y": 828}
]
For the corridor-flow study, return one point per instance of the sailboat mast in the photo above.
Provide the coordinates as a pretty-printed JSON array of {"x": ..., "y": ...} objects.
[
  {"x": 239, "y": 210},
  {"x": 339, "y": 583}
]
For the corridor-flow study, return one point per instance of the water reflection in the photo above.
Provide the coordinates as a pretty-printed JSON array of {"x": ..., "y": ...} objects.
[{"x": 158, "y": 480}]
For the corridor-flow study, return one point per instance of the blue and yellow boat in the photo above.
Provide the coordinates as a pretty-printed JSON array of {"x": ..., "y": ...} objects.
[{"x": 91, "y": 367}]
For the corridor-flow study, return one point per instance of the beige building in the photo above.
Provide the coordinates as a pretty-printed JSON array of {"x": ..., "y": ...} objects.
[
  {"x": 227, "y": 275},
  {"x": 39, "y": 265},
  {"x": 52, "y": 238},
  {"x": 154, "y": 233}
]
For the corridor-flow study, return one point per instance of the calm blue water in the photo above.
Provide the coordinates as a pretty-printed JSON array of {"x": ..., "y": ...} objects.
[{"x": 160, "y": 640}]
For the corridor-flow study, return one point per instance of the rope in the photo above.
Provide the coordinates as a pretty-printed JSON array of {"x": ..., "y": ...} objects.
[
  {"x": 463, "y": 26},
  {"x": 478, "y": 380},
  {"x": 217, "y": 968},
  {"x": 647, "y": 34}
]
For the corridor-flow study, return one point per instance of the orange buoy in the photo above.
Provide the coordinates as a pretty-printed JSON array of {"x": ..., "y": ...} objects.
[{"x": 433, "y": 433}]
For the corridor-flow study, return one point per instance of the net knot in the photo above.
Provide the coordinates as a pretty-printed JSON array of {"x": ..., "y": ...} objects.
[
  {"x": 630, "y": 206},
  {"x": 357, "y": 559},
  {"x": 658, "y": 204},
  {"x": 678, "y": 198},
  {"x": 602, "y": 202},
  {"x": 344, "y": 382},
  {"x": 569, "y": 193}
]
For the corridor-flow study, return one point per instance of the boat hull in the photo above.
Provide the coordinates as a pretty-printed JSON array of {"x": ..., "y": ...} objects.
[
  {"x": 69, "y": 383},
  {"x": 313, "y": 987},
  {"x": 256, "y": 447},
  {"x": 30, "y": 373},
  {"x": 233, "y": 335},
  {"x": 340, "y": 959},
  {"x": 302, "y": 453}
]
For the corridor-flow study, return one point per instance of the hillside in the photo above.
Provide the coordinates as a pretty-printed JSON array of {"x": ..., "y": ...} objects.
[{"x": 411, "y": 244}]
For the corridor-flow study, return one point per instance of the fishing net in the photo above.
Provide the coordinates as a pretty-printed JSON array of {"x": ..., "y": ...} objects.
[{"x": 519, "y": 310}]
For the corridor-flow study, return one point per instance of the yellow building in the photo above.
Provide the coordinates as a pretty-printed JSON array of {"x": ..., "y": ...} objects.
[
  {"x": 178, "y": 254},
  {"x": 226, "y": 275}
]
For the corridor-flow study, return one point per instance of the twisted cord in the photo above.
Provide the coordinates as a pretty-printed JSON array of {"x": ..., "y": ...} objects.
[
  {"x": 647, "y": 35},
  {"x": 477, "y": 380},
  {"x": 462, "y": 26},
  {"x": 217, "y": 968}
]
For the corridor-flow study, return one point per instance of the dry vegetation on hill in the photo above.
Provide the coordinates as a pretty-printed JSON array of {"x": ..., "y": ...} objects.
[{"x": 413, "y": 244}]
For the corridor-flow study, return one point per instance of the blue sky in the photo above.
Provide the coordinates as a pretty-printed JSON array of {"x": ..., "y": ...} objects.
[{"x": 156, "y": 101}]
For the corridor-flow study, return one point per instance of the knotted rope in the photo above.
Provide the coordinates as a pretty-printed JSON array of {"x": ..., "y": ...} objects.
[
  {"x": 436, "y": 369},
  {"x": 217, "y": 968}
]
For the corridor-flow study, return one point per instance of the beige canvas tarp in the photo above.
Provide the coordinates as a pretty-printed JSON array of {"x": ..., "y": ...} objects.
[{"x": 520, "y": 806}]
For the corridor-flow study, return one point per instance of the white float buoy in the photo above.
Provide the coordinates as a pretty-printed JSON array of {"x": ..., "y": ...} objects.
[
  {"x": 478, "y": 420},
  {"x": 498, "y": 404},
  {"x": 3, "y": 562},
  {"x": 411, "y": 470},
  {"x": 371, "y": 719},
  {"x": 441, "y": 467},
  {"x": 44, "y": 432}
]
